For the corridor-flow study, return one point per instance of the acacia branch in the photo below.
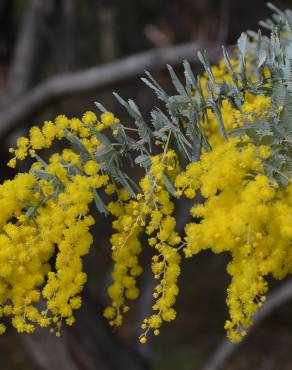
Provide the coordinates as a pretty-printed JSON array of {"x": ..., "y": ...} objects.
[
  {"x": 68, "y": 84},
  {"x": 226, "y": 349}
]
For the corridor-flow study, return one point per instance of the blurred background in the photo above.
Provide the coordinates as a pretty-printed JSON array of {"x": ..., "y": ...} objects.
[{"x": 59, "y": 57}]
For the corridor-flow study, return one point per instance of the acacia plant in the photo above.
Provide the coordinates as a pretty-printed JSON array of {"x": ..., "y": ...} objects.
[{"x": 223, "y": 141}]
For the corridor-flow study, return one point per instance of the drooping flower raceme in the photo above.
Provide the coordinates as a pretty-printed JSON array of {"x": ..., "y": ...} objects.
[{"x": 224, "y": 143}]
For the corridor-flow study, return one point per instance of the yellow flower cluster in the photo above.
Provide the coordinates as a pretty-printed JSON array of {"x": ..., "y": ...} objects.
[
  {"x": 150, "y": 212},
  {"x": 69, "y": 220},
  {"x": 243, "y": 214},
  {"x": 45, "y": 216},
  {"x": 59, "y": 227},
  {"x": 254, "y": 106},
  {"x": 40, "y": 138},
  {"x": 163, "y": 237},
  {"x": 126, "y": 248}
]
